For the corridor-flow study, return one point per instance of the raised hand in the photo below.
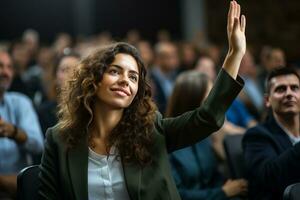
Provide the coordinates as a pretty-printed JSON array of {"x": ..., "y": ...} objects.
[{"x": 236, "y": 25}]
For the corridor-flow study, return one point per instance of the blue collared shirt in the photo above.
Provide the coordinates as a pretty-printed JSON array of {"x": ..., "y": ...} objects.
[{"x": 17, "y": 109}]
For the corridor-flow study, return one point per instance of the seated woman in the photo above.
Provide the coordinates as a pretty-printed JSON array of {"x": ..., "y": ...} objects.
[
  {"x": 111, "y": 143},
  {"x": 195, "y": 168}
]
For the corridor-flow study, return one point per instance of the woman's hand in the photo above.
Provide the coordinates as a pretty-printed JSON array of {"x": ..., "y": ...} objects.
[{"x": 236, "y": 25}]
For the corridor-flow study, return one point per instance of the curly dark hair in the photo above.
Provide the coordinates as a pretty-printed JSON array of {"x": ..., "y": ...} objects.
[{"x": 133, "y": 134}]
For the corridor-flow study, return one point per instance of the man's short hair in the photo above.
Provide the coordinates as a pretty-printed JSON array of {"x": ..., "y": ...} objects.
[{"x": 280, "y": 71}]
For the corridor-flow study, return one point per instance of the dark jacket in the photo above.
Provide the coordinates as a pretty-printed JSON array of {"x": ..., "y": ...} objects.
[
  {"x": 272, "y": 162},
  {"x": 64, "y": 171}
]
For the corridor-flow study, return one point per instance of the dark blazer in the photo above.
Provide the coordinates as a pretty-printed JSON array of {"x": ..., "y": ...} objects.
[
  {"x": 64, "y": 171},
  {"x": 272, "y": 162}
]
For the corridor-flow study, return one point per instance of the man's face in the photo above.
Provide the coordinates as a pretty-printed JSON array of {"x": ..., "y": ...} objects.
[
  {"x": 168, "y": 58},
  {"x": 284, "y": 95},
  {"x": 6, "y": 71}
]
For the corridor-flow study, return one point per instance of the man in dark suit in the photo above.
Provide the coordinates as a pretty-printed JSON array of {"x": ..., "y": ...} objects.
[{"x": 272, "y": 149}]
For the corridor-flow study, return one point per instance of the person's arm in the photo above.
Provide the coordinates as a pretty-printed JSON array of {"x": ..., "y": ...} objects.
[
  {"x": 236, "y": 26},
  {"x": 28, "y": 124},
  {"x": 184, "y": 130},
  {"x": 48, "y": 176},
  {"x": 265, "y": 167}
]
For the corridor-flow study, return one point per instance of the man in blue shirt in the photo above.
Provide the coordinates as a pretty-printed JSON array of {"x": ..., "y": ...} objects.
[{"x": 20, "y": 132}]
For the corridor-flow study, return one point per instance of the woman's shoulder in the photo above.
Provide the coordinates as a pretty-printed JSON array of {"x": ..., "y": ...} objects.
[{"x": 53, "y": 135}]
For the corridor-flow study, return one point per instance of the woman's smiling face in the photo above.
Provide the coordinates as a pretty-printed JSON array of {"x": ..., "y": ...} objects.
[{"x": 119, "y": 83}]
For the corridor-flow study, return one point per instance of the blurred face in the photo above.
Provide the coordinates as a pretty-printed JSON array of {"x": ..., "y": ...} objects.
[
  {"x": 168, "y": 57},
  {"x": 119, "y": 84},
  {"x": 6, "y": 71},
  {"x": 247, "y": 67},
  {"x": 284, "y": 95},
  {"x": 21, "y": 56},
  {"x": 206, "y": 66},
  {"x": 189, "y": 54},
  {"x": 146, "y": 52},
  {"x": 276, "y": 59},
  {"x": 64, "y": 69}
]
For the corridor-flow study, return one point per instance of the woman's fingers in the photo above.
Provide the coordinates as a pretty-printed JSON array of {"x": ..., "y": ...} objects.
[
  {"x": 230, "y": 16},
  {"x": 243, "y": 23},
  {"x": 238, "y": 10}
]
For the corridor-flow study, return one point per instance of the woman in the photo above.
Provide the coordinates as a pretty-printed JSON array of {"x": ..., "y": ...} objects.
[
  {"x": 195, "y": 168},
  {"x": 110, "y": 143}
]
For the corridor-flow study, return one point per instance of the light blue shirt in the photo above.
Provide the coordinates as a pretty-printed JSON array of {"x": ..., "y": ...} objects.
[
  {"x": 17, "y": 109},
  {"x": 254, "y": 93},
  {"x": 105, "y": 177},
  {"x": 166, "y": 81}
]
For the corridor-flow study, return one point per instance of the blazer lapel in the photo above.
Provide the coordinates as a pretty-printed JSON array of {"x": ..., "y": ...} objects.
[
  {"x": 78, "y": 164},
  {"x": 281, "y": 135},
  {"x": 132, "y": 175}
]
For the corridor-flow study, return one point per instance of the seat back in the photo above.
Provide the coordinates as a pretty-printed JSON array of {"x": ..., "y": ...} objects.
[
  {"x": 292, "y": 192},
  {"x": 234, "y": 153},
  {"x": 28, "y": 183}
]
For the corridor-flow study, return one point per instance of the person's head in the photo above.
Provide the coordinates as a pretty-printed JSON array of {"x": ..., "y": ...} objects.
[
  {"x": 45, "y": 57},
  {"x": 31, "y": 39},
  {"x": 6, "y": 71},
  {"x": 282, "y": 92},
  {"x": 247, "y": 67},
  {"x": 166, "y": 54},
  {"x": 20, "y": 55},
  {"x": 188, "y": 55},
  {"x": 206, "y": 65},
  {"x": 146, "y": 52},
  {"x": 113, "y": 76},
  {"x": 275, "y": 59},
  {"x": 65, "y": 65},
  {"x": 191, "y": 88}
]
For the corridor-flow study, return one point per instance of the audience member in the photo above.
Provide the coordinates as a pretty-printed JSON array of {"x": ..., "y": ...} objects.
[
  {"x": 20, "y": 134},
  {"x": 164, "y": 73},
  {"x": 195, "y": 168},
  {"x": 48, "y": 110},
  {"x": 273, "y": 58},
  {"x": 251, "y": 95},
  {"x": 272, "y": 149}
]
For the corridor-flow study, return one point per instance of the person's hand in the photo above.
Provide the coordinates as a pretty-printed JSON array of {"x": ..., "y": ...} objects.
[
  {"x": 236, "y": 187},
  {"x": 236, "y": 26},
  {"x": 6, "y": 129}
]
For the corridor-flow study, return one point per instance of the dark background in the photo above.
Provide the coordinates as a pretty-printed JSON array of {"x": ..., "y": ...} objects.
[
  {"x": 269, "y": 22},
  {"x": 50, "y": 17}
]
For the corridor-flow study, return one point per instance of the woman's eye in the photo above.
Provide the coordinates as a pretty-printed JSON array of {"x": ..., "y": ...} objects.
[
  {"x": 113, "y": 71},
  {"x": 134, "y": 78}
]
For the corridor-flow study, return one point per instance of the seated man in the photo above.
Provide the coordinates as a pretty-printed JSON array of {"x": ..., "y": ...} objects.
[
  {"x": 20, "y": 132},
  {"x": 272, "y": 149}
]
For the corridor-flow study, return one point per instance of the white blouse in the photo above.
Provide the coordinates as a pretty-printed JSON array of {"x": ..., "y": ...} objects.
[{"x": 106, "y": 177}]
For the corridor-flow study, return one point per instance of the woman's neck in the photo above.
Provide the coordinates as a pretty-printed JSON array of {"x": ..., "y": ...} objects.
[{"x": 105, "y": 120}]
